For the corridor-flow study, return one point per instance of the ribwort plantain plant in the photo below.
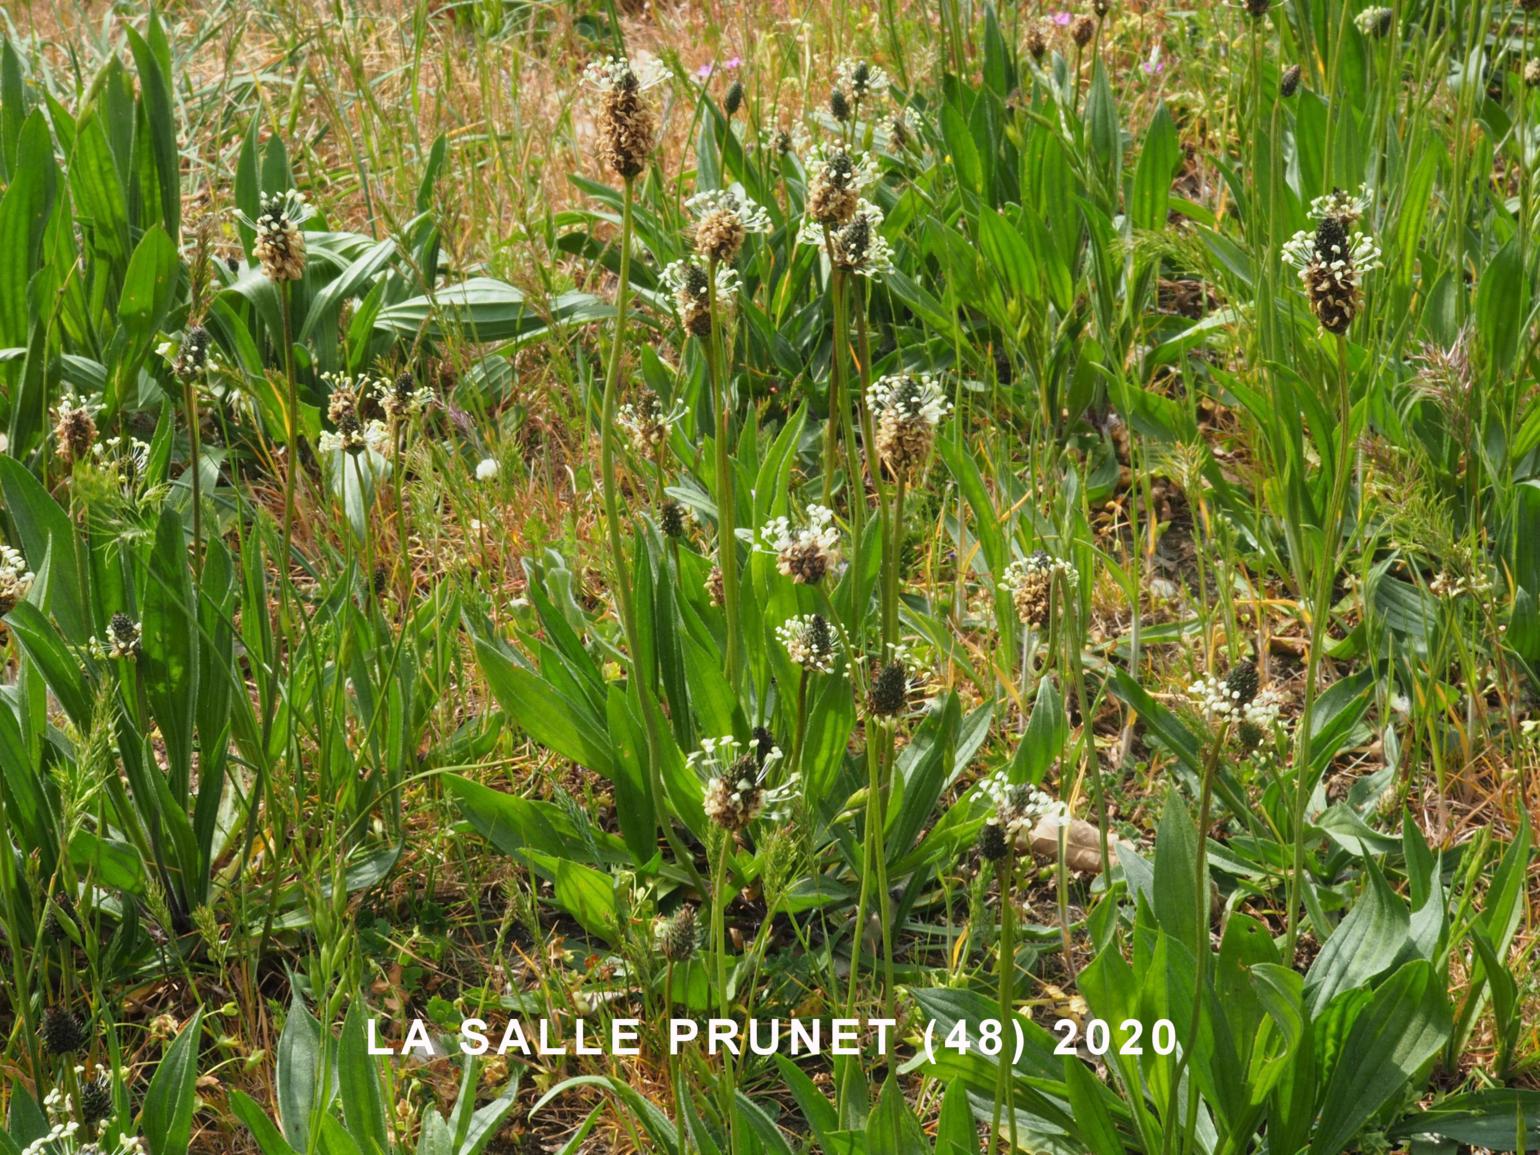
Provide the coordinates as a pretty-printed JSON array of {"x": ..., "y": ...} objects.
[{"x": 588, "y": 515}]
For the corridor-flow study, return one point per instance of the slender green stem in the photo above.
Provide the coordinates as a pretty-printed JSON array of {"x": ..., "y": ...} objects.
[
  {"x": 890, "y": 583},
  {"x": 1320, "y": 616},
  {"x": 641, "y": 677},
  {"x": 675, "y": 1075},
  {"x": 878, "y": 839},
  {"x": 1005, "y": 1091},
  {"x": 291, "y": 433},
  {"x": 799, "y": 735},
  {"x": 727, "y": 542},
  {"x": 194, "y": 449},
  {"x": 831, "y": 446},
  {"x": 724, "y": 1003}
]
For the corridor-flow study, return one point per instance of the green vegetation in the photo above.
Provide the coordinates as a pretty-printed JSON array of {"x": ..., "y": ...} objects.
[{"x": 1023, "y": 524}]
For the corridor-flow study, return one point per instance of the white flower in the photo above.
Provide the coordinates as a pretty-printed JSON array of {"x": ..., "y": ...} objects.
[
  {"x": 691, "y": 290},
  {"x": 860, "y": 80},
  {"x": 355, "y": 437},
  {"x": 1346, "y": 207},
  {"x": 1019, "y": 807},
  {"x": 1263, "y": 710},
  {"x": 907, "y": 410},
  {"x": 1375, "y": 21},
  {"x": 128, "y": 457},
  {"x": 1030, "y": 583},
  {"x": 122, "y": 641},
  {"x": 857, "y": 245},
  {"x": 735, "y": 780},
  {"x": 805, "y": 553},
  {"x": 731, "y": 202},
  {"x": 835, "y": 182},
  {"x": 911, "y": 397},
  {"x": 15, "y": 578},
  {"x": 679, "y": 279},
  {"x": 486, "y": 469},
  {"x": 402, "y": 398},
  {"x": 1217, "y": 700},
  {"x": 810, "y": 642},
  {"x": 617, "y": 71},
  {"x": 1449, "y": 586},
  {"x": 847, "y": 170},
  {"x": 1361, "y": 256},
  {"x": 647, "y": 423}
]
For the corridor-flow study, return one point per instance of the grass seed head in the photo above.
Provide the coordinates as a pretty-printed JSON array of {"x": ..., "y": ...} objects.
[
  {"x": 677, "y": 937},
  {"x": 1288, "y": 84}
]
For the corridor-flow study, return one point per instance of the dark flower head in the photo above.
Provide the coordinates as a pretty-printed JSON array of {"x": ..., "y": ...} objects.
[
  {"x": 96, "y": 1100},
  {"x": 193, "y": 356},
  {"x": 890, "y": 690},
  {"x": 124, "y": 631},
  {"x": 1242, "y": 683},
  {"x": 671, "y": 518},
  {"x": 1288, "y": 84},
  {"x": 992, "y": 843},
  {"x": 1376, "y": 22},
  {"x": 1037, "y": 43},
  {"x": 809, "y": 642},
  {"x": 733, "y": 101},
  {"x": 839, "y": 105},
  {"x": 62, "y": 1031},
  {"x": 1333, "y": 261},
  {"x": 762, "y": 745}
]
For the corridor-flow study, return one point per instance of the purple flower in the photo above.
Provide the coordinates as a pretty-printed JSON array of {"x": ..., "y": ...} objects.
[
  {"x": 705, "y": 71},
  {"x": 1063, "y": 19},
  {"x": 1154, "y": 66}
]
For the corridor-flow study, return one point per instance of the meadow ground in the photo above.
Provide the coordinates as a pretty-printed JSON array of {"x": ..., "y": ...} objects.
[{"x": 1021, "y": 520}]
